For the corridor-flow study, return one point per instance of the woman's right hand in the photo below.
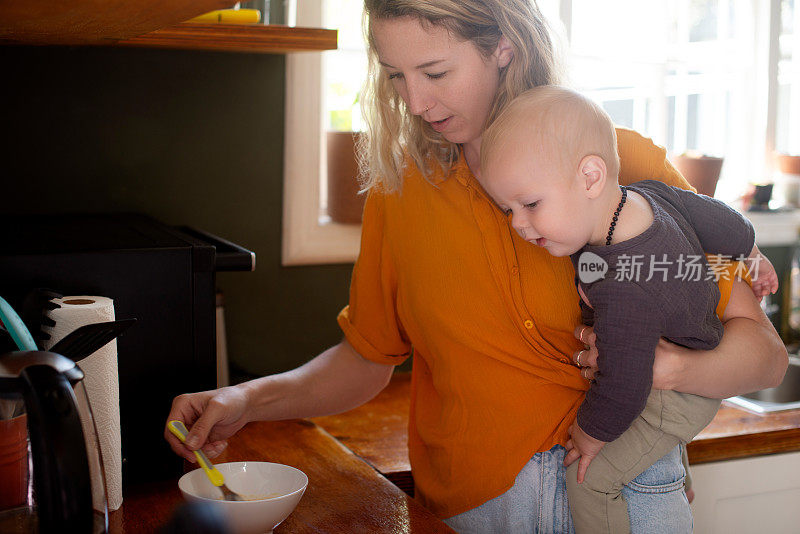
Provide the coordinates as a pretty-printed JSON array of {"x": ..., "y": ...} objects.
[
  {"x": 586, "y": 358},
  {"x": 211, "y": 417},
  {"x": 666, "y": 367}
]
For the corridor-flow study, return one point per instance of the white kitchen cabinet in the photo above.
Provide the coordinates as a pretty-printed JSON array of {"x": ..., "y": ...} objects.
[
  {"x": 751, "y": 495},
  {"x": 775, "y": 229}
]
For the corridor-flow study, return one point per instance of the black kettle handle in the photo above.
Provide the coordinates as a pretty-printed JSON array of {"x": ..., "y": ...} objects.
[{"x": 61, "y": 477}]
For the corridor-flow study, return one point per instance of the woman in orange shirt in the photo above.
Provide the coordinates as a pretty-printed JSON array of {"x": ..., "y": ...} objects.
[{"x": 490, "y": 320}]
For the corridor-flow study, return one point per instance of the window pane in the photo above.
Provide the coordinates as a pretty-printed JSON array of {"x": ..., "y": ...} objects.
[
  {"x": 703, "y": 20},
  {"x": 787, "y": 16},
  {"x": 670, "y": 144},
  {"x": 679, "y": 71},
  {"x": 621, "y": 111},
  {"x": 550, "y": 10},
  {"x": 345, "y": 69},
  {"x": 607, "y": 29},
  {"x": 691, "y": 122},
  {"x": 787, "y": 138},
  {"x": 344, "y": 74},
  {"x": 784, "y": 126}
]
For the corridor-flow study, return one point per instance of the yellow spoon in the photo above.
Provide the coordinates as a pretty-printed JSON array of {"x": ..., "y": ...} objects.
[{"x": 216, "y": 478}]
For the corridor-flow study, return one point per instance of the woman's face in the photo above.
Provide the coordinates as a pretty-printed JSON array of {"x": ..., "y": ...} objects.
[{"x": 445, "y": 80}]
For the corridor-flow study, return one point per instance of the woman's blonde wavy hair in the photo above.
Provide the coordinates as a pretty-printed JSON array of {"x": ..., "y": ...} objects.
[{"x": 393, "y": 135}]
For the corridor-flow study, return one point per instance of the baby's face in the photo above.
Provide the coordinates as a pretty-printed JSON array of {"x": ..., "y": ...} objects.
[{"x": 543, "y": 196}]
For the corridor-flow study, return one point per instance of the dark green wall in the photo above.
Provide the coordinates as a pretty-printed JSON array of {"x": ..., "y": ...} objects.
[{"x": 189, "y": 138}]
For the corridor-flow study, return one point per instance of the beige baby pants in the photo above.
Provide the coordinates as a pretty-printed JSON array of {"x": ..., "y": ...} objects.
[{"x": 669, "y": 419}]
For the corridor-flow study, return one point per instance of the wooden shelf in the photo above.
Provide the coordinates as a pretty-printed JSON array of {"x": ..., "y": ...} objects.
[
  {"x": 147, "y": 23},
  {"x": 268, "y": 39},
  {"x": 79, "y": 22}
]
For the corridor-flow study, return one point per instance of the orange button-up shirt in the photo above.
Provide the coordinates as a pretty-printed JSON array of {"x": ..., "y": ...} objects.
[{"x": 489, "y": 319}]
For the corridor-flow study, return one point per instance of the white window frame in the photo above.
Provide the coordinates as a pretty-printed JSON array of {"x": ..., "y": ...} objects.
[{"x": 308, "y": 238}]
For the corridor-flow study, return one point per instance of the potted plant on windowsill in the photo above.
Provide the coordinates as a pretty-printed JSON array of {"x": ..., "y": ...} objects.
[
  {"x": 345, "y": 204},
  {"x": 789, "y": 177},
  {"x": 700, "y": 170}
]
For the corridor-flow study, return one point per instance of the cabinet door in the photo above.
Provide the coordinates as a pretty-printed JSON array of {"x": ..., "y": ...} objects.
[{"x": 760, "y": 494}]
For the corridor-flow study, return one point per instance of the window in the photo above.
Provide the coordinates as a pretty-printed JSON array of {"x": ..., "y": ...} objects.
[
  {"x": 691, "y": 80},
  {"x": 787, "y": 133},
  {"x": 309, "y": 237},
  {"x": 717, "y": 76},
  {"x": 344, "y": 72}
]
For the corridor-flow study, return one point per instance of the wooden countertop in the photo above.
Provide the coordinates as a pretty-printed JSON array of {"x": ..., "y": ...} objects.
[
  {"x": 344, "y": 494},
  {"x": 737, "y": 433},
  {"x": 378, "y": 433},
  {"x": 345, "y": 455}
]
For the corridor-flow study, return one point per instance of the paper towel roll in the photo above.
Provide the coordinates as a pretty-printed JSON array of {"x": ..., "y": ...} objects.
[{"x": 101, "y": 382}]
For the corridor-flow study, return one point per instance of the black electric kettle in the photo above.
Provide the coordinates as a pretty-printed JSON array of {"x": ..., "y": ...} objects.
[{"x": 61, "y": 500}]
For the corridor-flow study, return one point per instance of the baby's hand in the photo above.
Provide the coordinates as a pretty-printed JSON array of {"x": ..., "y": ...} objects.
[
  {"x": 582, "y": 446},
  {"x": 762, "y": 273}
]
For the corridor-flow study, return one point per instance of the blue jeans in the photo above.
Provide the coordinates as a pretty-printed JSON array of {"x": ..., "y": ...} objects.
[{"x": 537, "y": 503}]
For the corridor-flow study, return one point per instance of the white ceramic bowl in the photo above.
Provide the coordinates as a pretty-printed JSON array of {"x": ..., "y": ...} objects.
[{"x": 280, "y": 487}]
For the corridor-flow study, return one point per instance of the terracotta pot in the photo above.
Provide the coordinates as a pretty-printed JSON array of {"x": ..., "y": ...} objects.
[
  {"x": 789, "y": 178},
  {"x": 788, "y": 164},
  {"x": 13, "y": 461},
  {"x": 345, "y": 205},
  {"x": 699, "y": 170}
]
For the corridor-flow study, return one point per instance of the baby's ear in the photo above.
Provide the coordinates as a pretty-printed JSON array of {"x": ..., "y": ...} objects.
[{"x": 592, "y": 169}]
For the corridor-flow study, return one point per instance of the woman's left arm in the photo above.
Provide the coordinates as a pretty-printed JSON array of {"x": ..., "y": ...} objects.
[{"x": 750, "y": 357}]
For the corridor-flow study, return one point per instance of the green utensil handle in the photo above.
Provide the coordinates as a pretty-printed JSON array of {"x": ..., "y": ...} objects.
[{"x": 19, "y": 332}]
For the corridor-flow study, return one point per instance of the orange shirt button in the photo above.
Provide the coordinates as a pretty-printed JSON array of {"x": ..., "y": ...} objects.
[
  {"x": 528, "y": 324},
  {"x": 564, "y": 360},
  {"x": 515, "y": 270}
]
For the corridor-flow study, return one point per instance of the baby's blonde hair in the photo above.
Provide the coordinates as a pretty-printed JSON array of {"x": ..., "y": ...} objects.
[
  {"x": 555, "y": 118},
  {"x": 394, "y": 135}
]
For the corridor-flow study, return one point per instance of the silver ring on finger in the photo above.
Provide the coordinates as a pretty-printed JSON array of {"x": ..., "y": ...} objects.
[
  {"x": 578, "y": 358},
  {"x": 580, "y": 336},
  {"x": 586, "y": 373}
]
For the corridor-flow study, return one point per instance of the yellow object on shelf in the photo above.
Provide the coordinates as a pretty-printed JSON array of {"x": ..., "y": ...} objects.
[{"x": 230, "y": 16}]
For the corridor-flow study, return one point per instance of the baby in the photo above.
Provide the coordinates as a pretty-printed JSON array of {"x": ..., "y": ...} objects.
[{"x": 550, "y": 162}]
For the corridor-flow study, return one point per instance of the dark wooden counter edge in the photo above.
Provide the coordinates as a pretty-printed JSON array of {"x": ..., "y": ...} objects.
[
  {"x": 737, "y": 433},
  {"x": 744, "y": 446}
]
